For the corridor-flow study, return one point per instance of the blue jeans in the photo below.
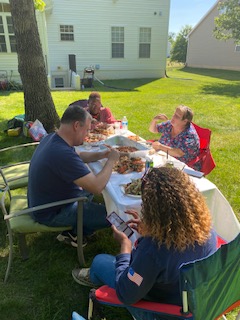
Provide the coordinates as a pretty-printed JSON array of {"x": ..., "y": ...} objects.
[
  {"x": 102, "y": 270},
  {"x": 94, "y": 217}
]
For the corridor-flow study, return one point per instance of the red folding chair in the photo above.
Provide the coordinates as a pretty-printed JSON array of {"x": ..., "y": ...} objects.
[
  {"x": 205, "y": 157},
  {"x": 210, "y": 288}
]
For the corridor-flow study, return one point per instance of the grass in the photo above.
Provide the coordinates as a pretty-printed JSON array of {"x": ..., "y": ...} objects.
[{"x": 42, "y": 287}]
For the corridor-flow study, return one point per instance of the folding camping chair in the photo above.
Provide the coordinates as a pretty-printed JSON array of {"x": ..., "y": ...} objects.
[
  {"x": 81, "y": 103},
  {"x": 210, "y": 288},
  {"x": 15, "y": 174},
  {"x": 205, "y": 157},
  {"x": 20, "y": 222}
]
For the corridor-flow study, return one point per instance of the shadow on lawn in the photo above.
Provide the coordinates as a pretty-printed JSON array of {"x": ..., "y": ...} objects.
[
  {"x": 220, "y": 74},
  {"x": 121, "y": 85},
  {"x": 229, "y": 90}
]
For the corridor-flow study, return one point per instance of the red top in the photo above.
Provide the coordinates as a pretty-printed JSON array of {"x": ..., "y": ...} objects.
[{"x": 105, "y": 115}]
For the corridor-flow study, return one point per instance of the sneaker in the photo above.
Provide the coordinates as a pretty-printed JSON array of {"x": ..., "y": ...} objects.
[
  {"x": 82, "y": 277},
  {"x": 70, "y": 239}
]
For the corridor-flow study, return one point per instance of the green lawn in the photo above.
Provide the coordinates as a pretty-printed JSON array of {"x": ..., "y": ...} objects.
[{"x": 42, "y": 287}]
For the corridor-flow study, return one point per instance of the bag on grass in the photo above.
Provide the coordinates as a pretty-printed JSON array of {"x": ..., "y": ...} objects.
[
  {"x": 37, "y": 130},
  {"x": 16, "y": 122}
]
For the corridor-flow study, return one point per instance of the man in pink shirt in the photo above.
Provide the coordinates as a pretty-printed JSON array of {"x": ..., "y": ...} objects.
[{"x": 97, "y": 111}]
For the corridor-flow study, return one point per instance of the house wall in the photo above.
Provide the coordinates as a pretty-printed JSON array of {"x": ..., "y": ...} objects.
[
  {"x": 205, "y": 51},
  {"x": 92, "y": 21},
  {"x": 8, "y": 61}
]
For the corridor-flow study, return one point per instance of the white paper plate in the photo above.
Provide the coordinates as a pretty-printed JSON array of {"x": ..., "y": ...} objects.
[{"x": 128, "y": 194}]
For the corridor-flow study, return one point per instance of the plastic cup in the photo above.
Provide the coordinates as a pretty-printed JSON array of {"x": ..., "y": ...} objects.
[{"x": 117, "y": 127}]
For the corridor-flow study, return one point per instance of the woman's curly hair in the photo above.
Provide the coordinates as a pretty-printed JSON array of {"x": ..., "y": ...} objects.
[{"x": 174, "y": 212}]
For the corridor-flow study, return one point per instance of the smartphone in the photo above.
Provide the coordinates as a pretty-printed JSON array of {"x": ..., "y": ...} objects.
[{"x": 120, "y": 224}]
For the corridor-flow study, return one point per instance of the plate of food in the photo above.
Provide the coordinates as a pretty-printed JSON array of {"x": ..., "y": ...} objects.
[
  {"x": 95, "y": 139},
  {"x": 102, "y": 128},
  {"x": 133, "y": 188},
  {"x": 125, "y": 164}
]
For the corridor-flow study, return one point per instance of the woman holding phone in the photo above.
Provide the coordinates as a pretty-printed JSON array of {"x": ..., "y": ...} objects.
[{"x": 175, "y": 227}]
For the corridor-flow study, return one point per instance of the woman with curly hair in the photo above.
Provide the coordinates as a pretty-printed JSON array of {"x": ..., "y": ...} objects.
[{"x": 175, "y": 227}]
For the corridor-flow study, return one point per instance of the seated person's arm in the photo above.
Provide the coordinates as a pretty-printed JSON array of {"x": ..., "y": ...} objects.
[
  {"x": 127, "y": 289},
  {"x": 175, "y": 152},
  {"x": 96, "y": 183},
  {"x": 153, "y": 125},
  {"x": 93, "y": 156}
]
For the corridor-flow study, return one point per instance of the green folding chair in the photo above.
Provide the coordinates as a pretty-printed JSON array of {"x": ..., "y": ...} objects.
[
  {"x": 15, "y": 174},
  {"x": 19, "y": 221},
  {"x": 210, "y": 288}
]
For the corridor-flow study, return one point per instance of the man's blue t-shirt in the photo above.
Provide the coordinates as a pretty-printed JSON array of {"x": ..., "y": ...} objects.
[{"x": 53, "y": 168}]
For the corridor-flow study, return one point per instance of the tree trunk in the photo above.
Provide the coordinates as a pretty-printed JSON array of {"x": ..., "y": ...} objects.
[{"x": 37, "y": 96}]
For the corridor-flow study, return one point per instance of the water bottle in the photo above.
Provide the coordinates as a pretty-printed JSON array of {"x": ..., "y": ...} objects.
[{"x": 124, "y": 124}]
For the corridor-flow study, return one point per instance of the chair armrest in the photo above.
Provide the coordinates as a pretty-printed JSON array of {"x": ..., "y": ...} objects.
[
  {"x": 44, "y": 206},
  {"x": 14, "y": 164},
  {"x": 19, "y": 146}
]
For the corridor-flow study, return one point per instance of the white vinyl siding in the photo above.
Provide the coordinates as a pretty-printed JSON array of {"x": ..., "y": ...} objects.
[
  {"x": 93, "y": 21},
  {"x": 66, "y": 33},
  {"x": 117, "y": 42},
  {"x": 144, "y": 42},
  {"x": 204, "y": 51},
  {"x": 7, "y": 37}
]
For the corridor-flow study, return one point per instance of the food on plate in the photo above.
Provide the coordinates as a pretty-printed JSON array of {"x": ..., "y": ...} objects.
[
  {"x": 133, "y": 187},
  {"x": 126, "y": 165},
  {"x": 93, "y": 138},
  {"x": 103, "y": 128},
  {"x": 126, "y": 149},
  {"x": 134, "y": 138}
]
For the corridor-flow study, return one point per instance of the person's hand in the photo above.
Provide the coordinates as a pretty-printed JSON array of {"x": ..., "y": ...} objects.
[
  {"x": 126, "y": 244},
  {"x": 156, "y": 145},
  {"x": 113, "y": 154},
  {"x": 135, "y": 222},
  {"x": 107, "y": 153},
  {"x": 160, "y": 116}
]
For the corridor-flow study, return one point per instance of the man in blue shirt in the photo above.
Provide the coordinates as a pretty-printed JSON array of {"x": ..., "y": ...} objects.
[{"x": 58, "y": 172}]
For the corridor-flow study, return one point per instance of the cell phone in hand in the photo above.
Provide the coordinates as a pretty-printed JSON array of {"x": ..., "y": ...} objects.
[{"x": 120, "y": 224}]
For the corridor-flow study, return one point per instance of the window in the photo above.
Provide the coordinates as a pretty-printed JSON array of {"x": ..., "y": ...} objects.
[
  {"x": 117, "y": 42},
  {"x": 5, "y": 7},
  {"x": 7, "y": 37},
  {"x": 144, "y": 42},
  {"x": 237, "y": 48},
  {"x": 66, "y": 33}
]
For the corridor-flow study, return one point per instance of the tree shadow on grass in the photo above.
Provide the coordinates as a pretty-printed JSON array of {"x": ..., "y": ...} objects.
[
  {"x": 228, "y": 90},
  {"x": 215, "y": 73}
]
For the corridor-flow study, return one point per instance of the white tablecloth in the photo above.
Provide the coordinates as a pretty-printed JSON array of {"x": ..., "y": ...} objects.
[{"x": 224, "y": 219}]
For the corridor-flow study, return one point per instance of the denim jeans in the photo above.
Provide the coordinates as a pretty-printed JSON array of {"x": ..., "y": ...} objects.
[
  {"x": 102, "y": 270},
  {"x": 94, "y": 217}
]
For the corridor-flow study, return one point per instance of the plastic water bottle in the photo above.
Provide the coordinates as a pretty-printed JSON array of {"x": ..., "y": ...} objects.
[{"x": 124, "y": 124}]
